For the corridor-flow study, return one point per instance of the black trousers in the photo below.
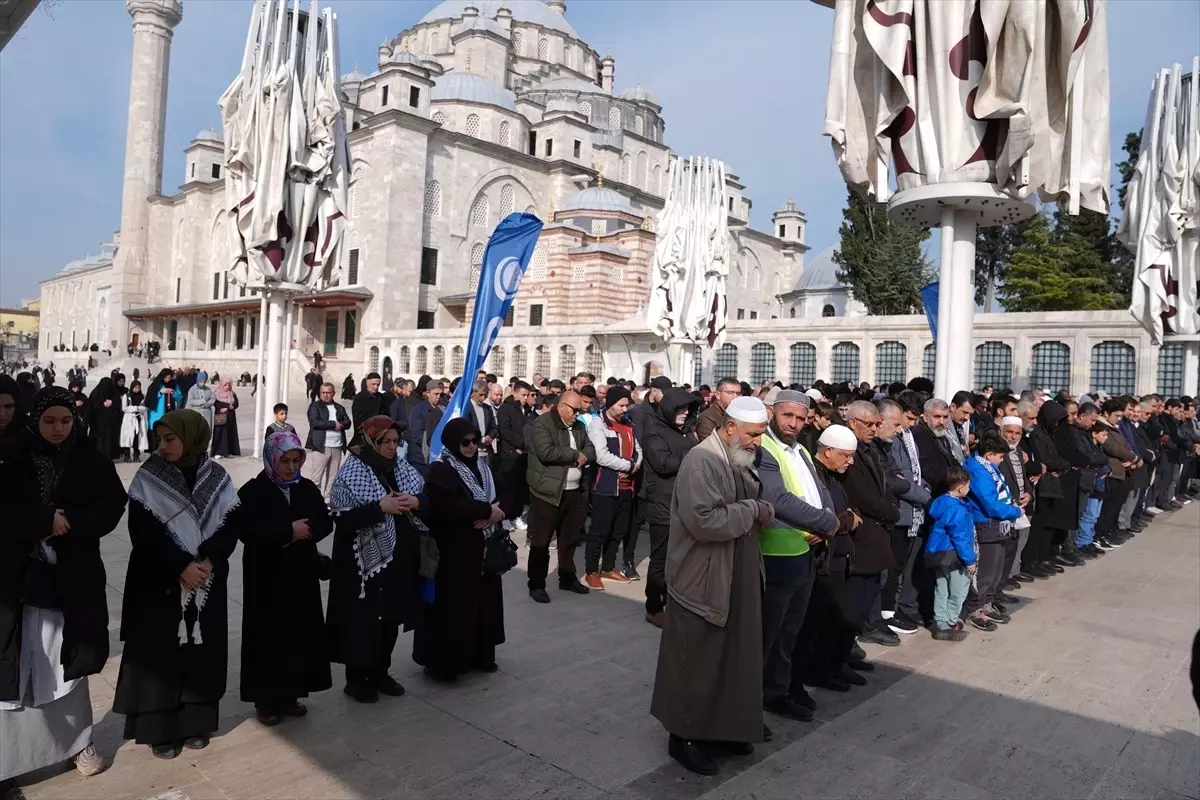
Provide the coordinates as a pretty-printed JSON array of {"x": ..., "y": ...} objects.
[
  {"x": 545, "y": 520},
  {"x": 1115, "y": 495},
  {"x": 511, "y": 489},
  {"x": 989, "y": 575},
  {"x": 630, "y": 539},
  {"x": 1038, "y": 545},
  {"x": 900, "y": 591},
  {"x": 389, "y": 632},
  {"x": 788, "y": 586},
  {"x": 827, "y": 634},
  {"x": 863, "y": 591},
  {"x": 656, "y": 576},
  {"x": 1011, "y": 547},
  {"x": 612, "y": 520}
]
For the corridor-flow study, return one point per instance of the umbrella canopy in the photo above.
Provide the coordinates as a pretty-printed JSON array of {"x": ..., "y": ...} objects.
[
  {"x": 1161, "y": 224},
  {"x": 691, "y": 255},
  {"x": 1009, "y": 92},
  {"x": 285, "y": 148}
]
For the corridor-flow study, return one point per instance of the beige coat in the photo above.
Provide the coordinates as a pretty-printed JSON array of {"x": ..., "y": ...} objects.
[{"x": 710, "y": 509}]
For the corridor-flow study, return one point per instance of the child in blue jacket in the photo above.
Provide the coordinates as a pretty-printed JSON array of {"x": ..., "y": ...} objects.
[{"x": 950, "y": 553}]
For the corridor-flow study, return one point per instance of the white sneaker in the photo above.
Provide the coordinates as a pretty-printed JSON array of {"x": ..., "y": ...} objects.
[
  {"x": 508, "y": 525},
  {"x": 1155, "y": 510},
  {"x": 887, "y": 614},
  {"x": 521, "y": 524}
]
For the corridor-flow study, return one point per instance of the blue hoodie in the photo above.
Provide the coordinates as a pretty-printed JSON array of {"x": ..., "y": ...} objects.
[{"x": 953, "y": 528}]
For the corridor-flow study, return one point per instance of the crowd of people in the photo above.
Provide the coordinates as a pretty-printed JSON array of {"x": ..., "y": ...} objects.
[{"x": 788, "y": 527}]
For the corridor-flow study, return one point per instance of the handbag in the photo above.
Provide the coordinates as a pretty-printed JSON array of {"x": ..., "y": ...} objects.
[
  {"x": 429, "y": 557},
  {"x": 499, "y": 553},
  {"x": 221, "y": 418}
]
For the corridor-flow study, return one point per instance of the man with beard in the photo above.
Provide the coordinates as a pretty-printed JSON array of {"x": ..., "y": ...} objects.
[
  {"x": 958, "y": 429},
  {"x": 899, "y": 601},
  {"x": 370, "y": 402},
  {"x": 936, "y": 449},
  {"x": 1017, "y": 469},
  {"x": 710, "y": 418},
  {"x": 803, "y": 514},
  {"x": 708, "y": 685}
]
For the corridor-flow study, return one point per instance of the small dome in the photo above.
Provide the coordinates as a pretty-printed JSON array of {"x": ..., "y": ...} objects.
[
  {"x": 598, "y": 198},
  {"x": 472, "y": 88},
  {"x": 209, "y": 134},
  {"x": 403, "y": 57},
  {"x": 534, "y": 11},
  {"x": 563, "y": 104},
  {"x": 789, "y": 208},
  {"x": 353, "y": 77},
  {"x": 820, "y": 274},
  {"x": 639, "y": 95}
]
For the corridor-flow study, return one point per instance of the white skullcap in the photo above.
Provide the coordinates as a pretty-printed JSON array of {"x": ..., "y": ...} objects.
[
  {"x": 747, "y": 409},
  {"x": 839, "y": 437},
  {"x": 770, "y": 397},
  {"x": 1004, "y": 423},
  {"x": 815, "y": 394}
]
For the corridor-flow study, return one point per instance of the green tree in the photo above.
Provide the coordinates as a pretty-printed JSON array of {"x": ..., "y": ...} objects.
[
  {"x": 993, "y": 251},
  {"x": 1092, "y": 238},
  {"x": 881, "y": 260},
  {"x": 1133, "y": 149},
  {"x": 1053, "y": 271}
]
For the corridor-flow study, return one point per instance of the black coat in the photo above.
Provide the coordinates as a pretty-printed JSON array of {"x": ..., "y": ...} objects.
[
  {"x": 367, "y": 405},
  {"x": 511, "y": 421},
  {"x": 870, "y": 493},
  {"x": 157, "y": 672},
  {"x": 663, "y": 447},
  {"x": 319, "y": 425},
  {"x": 463, "y": 625},
  {"x": 935, "y": 456},
  {"x": 284, "y": 652},
  {"x": 91, "y": 495}
]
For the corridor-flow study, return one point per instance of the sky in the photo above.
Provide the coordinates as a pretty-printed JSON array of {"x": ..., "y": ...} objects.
[{"x": 743, "y": 80}]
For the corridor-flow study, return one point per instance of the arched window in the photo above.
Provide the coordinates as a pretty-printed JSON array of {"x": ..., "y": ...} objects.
[
  {"x": 1114, "y": 368},
  {"x": 593, "y": 359},
  {"x": 1170, "y": 370},
  {"x": 356, "y": 195},
  {"x": 433, "y": 199},
  {"x": 566, "y": 362},
  {"x": 518, "y": 43},
  {"x": 697, "y": 365},
  {"x": 626, "y": 162},
  {"x": 639, "y": 125},
  {"x": 993, "y": 366},
  {"x": 725, "y": 362},
  {"x": 422, "y": 361},
  {"x": 803, "y": 366},
  {"x": 387, "y": 368},
  {"x": 762, "y": 363},
  {"x": 476, "y": 264},
  {"x": 479, "y": 211},
  {"x": 891, "y": 362},
  {"x": 439, "y": 360},
  {"x": 614, "y": 118},
  {"x": 506, "y": 200},
  {"x": 435, "y": 42},
  {"x": 569, "y": 57},
  {"x": 496, "y": 359},
  {"x": 537, "y": 264},
  {"x": 472, "y": 128},
  {"x": 543, "y": 49},
  {"x": 541, "y": 359},
  {"x": 1051, "y": 366},
  {"x": 403, "y": 361},
  {"x": 844, "y": 363},
  {"x": 585, "y": 108},
  {"x": 929, "y": 362},
  {"x": 656, "y": 184},
  {"x": 439, "y": 118},
  {"x": 373, "y": 359},
  {"x": 828, "y": 311},
  {"x": 520, "y": 365},
  {"x": 756, "y": 279},
  {"x": 505, "y": 134},
  {"x": 642, "y": 165},
  {"x": 456, "y": 360}
]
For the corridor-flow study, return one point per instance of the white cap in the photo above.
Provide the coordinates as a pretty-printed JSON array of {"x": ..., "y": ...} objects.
[
  {"x": 747, "y": 409},
  {"x": 1017, "y": 421},
  {"x": 839, "y": 437},
  {"x": 815, "y": 394}
]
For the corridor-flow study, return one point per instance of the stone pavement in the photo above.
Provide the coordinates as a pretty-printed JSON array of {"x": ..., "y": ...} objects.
[{"x": 1084, "y": 695}]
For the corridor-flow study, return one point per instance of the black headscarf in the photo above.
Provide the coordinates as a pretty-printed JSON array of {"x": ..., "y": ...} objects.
[
  {"x": 119, "y": 388},
  {"x": 20, "y": 418},
  {"x": 135, "y": 395},
  {"x": 28, "y": 386},
  {"x": 452, "y": 435},
  {"x": 51, "y": 459}
]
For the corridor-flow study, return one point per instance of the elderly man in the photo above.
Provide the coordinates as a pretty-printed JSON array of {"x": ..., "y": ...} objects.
[
  {"x": 871, "y": 491},
  {"x": 1017, "y": 469},
  {"x": 484, "y": 416},
  {"x": 935, "y": 448},
  {"x": 710, "y": 419},
  {"x": 899, "y": 451},
  {"x": 803, "y": 514},
  {"x": 708, "y": 686}
]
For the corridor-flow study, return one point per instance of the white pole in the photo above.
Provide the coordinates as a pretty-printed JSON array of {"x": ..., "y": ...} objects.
[
  {"x": 959, "y": 335},
  {"x": 259, "y": 398},
  {"x": 275, "y": 349},
  {"x": 289, "y": 303},
  {"x": 941, "y": 378},
  {"x": 1191, "y": 368}
]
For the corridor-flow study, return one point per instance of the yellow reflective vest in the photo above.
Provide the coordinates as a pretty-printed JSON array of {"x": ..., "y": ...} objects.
[{"x": 781, "y": 539}]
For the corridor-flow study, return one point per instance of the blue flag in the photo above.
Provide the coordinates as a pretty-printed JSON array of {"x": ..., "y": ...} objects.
[
  {"x": 504, "y": 261},
  {"x": 929, "y": 298}
]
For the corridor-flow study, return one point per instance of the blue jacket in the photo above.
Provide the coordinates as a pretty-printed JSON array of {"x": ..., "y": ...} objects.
[
  {"x": 952, "y": 529},
  {"x": 984, "y": 498}
]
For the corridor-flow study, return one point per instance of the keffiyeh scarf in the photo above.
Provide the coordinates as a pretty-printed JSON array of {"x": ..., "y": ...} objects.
[
  {"x": 191, "y": 516},
  {"x": 1002, "y": 492},
  {"x": 485, "y": 491},
  {"x": 356, "y": 485},
  {"x": 954, "y": 437},
  {"x": 914, "y": 458}
]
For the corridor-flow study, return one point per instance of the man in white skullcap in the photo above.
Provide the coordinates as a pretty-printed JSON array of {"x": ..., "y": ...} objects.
[{"x": 708, "y": 686}]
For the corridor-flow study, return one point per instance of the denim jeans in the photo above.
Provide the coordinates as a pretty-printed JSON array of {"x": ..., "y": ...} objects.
[
  {"x": 1087, "y": 522},
  {"x": 949, "y": 591}
]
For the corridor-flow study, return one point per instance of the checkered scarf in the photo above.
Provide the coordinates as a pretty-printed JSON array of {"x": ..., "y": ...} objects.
[{"x": 914, "y": 458}]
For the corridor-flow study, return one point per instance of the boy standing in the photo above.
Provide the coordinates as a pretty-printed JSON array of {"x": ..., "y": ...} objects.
[
  {"x": 950, "y": 553},
  {"x": 280, "y": 425}
]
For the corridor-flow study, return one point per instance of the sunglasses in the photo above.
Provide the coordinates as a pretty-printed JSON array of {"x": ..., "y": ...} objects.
[
  {"x": 574, "y": 409},
  {"x": 469, "y": 441}
]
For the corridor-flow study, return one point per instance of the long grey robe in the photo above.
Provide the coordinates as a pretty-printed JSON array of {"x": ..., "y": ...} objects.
[
  {"x": 709, "y": 680},
  {"x": 201, "y": 400}
]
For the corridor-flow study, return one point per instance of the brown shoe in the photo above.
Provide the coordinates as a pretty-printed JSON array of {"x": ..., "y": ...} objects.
[
  {"x": 593, "y": 582},
  {"x": 614, "y": 576},
  {"x": 656, "y": 619}
]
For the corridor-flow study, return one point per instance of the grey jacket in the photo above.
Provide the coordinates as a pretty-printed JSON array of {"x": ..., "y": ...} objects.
[{"x": 916, "y": 494}]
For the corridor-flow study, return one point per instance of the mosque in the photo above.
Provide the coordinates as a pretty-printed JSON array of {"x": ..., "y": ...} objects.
[{"x": 482, "y": 108}]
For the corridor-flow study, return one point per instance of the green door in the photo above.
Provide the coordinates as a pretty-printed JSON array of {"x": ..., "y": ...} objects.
[{"x": 331, "y": 333}]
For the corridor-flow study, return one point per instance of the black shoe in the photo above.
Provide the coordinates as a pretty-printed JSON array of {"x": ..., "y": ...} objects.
[
  {"x": 882, "y": 636},
  {"x": 1064, "y": 560},
  {"x": 437, "y": 676},
  {"x": 196, "y": 742},
  {"x": 847, "y": 675},
  {"x": 734, "y": 748},
  {"x": 1003, "y": 598},
  {"x": 1055, "y": 568},
  {"x": 692, "y": 756},
  {"x": 362, "y": 692},
  {"x": 948, "y": 635},
  {"x": 902, "y": 624},
  {"x": 386, "y": 684},
  {"x": 267, "y": 716},
  {"x": 787, "y": 707},
  {"x": 860, "y": 664},
  {"x": 982, "y": 622},
  {"x": 1116, "y": 539},
  {"x": 539, "y": 595},
  {"x": 574, "y": 586},
  {"x": 857, "y": 652},
  {"x": 1103, "y": 543},
  {"x": 1095, "y": 549},
  {"x": 166, "y": 751},
  {"x": 997, "y": 614},
  {"x": 1037, "y": 571},
  {"x": 631, "y": 572},
  {"x": 1027, "y": 577},
  {"x": 802, "y": 698},
  {"x": 832, "y": 684},
  {"x": 1088, "y": 554},
  {"x": 1011, "y": 584}
]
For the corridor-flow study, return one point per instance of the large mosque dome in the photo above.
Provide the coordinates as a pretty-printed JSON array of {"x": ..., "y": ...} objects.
[{"x": 532, "y": 11}]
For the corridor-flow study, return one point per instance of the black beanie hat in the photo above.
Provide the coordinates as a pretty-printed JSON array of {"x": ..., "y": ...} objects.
[{"x": 615, "y": 395}]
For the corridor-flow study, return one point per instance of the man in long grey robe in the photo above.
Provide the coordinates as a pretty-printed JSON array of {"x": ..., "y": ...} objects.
[{"x": 708, "y": 688}]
